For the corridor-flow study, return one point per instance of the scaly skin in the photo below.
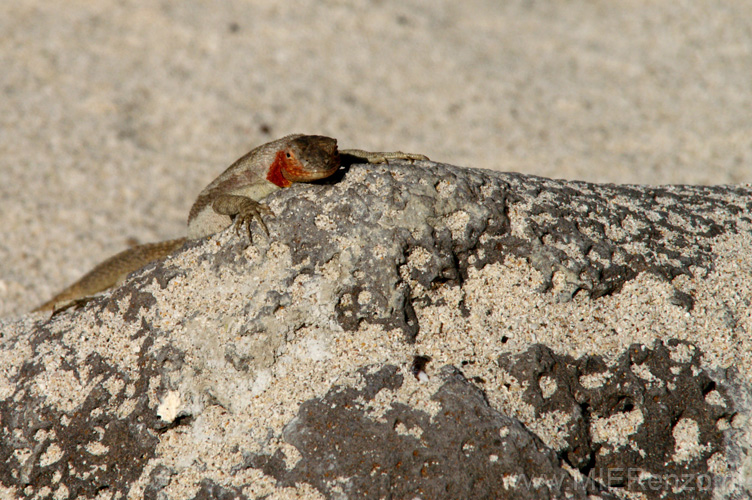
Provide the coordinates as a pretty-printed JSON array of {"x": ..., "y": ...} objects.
[{"x": 235, "y": 195}]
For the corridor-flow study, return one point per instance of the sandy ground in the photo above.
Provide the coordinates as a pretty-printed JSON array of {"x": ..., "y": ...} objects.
[{"x": 116, "y": 114}]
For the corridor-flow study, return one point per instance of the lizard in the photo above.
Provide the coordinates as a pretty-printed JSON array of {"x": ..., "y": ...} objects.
[{"x": 233, "y": 197}]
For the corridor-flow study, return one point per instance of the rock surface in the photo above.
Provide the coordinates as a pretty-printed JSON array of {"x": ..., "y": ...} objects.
[{"x": 408, "y": 331}]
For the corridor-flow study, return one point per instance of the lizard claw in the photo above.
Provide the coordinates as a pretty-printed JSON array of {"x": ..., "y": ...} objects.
[
  {"x": 247, "y": 214},
  {"x": 243, "y": 210}
]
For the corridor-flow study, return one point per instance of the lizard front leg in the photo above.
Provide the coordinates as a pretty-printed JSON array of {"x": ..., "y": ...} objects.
[
  {"x": 243, "y": 209},
  {"x": 381, "y": 157}
]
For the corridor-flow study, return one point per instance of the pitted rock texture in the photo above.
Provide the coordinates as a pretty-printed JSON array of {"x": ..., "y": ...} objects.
[
  {"x": 663, "y": 389},
  {"x": 598, "y": 236},
  {"x": 106, "y": 451},
  {"x": 233, "y": 371},
  {"x": 467, "y": 450}
]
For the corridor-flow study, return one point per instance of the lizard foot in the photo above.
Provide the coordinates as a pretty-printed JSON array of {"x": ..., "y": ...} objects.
[
  {"x": 249, "y": 212},
  {"x": 243, "y": 210}
]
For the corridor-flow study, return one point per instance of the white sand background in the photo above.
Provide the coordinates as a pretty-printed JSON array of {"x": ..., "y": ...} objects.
[{"x": 114, "y": 114}]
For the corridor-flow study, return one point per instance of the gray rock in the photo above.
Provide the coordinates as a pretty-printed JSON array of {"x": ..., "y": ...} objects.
[
  {"x": 287, "y": 367},
  {"x": 678, "y": 390},
  {"x": 468, "y": 450}
]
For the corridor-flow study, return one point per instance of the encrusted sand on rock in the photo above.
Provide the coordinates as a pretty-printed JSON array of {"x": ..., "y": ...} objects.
[{"x": 227, "y": 359}]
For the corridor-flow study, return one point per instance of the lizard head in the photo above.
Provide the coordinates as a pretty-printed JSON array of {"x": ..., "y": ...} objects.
[{"x": 304, "y": 158}]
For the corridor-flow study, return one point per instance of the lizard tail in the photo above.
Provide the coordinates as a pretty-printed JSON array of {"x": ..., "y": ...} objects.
[{"x": 113, "y": 271}]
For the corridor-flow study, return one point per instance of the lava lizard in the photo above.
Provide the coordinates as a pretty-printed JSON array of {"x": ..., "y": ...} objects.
[{"x": 233, "y": 196}]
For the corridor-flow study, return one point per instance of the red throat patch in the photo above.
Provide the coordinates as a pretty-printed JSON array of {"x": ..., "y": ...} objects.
[{"x": 282, "y": 162}]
